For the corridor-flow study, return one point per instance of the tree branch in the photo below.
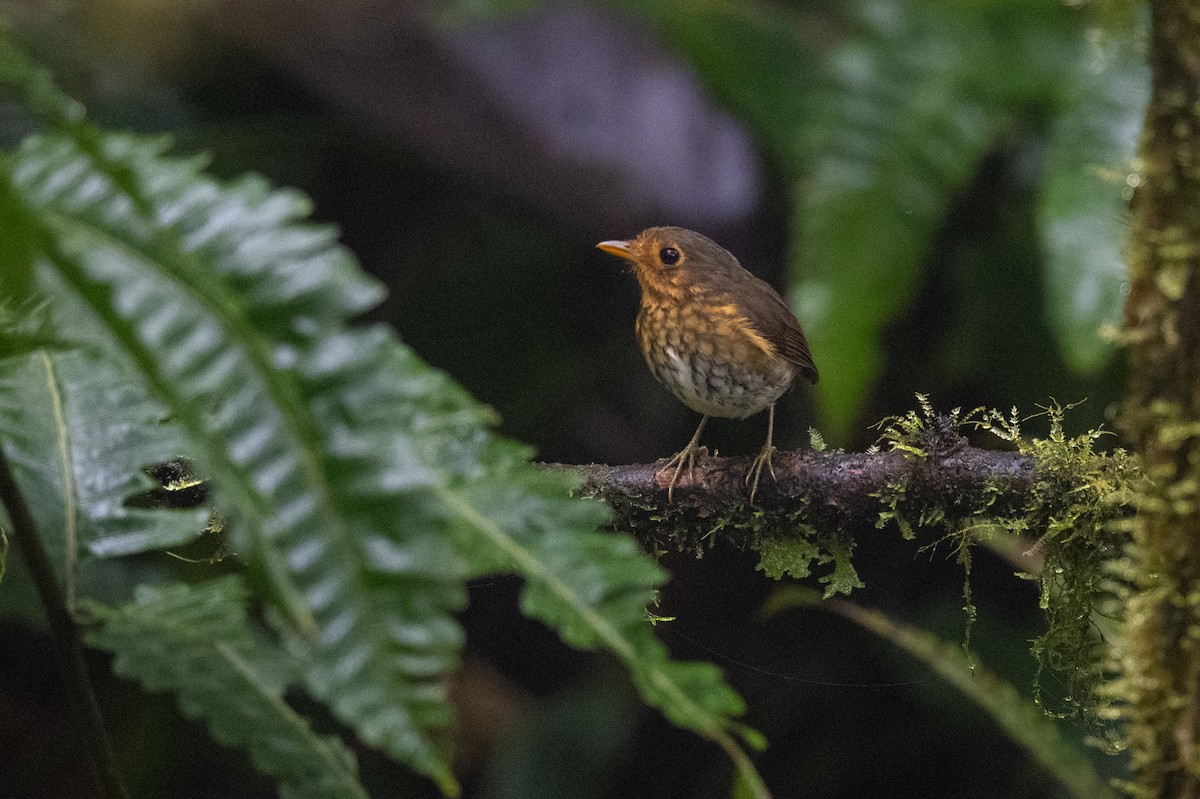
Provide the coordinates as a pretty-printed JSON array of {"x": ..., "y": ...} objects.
[
  {"x": 833, "y": 489},
  {"x": 843, "y": 492}
]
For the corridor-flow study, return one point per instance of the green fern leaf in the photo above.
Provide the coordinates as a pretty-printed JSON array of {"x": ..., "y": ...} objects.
[
  {"x": 195, "y": 642},
  {"x": 79, "y": 432},
  {"x": 511, "y": 517},
  {"x": 233, "y": 313},
  {"x": 362, "y": 483}
]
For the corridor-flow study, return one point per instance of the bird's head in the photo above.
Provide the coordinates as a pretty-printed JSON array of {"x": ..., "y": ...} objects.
[{"x": 669, "y": 259}]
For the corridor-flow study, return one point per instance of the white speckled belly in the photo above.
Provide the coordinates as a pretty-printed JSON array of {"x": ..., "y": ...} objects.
[{"x": 715, "y": 376}]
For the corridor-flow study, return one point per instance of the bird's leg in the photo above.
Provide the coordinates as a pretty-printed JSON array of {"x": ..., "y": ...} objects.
[
  {"x": 686, "y": 455},
  {"x": 764, "y": 457}
]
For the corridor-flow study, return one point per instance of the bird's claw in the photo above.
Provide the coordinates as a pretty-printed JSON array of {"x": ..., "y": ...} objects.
[
  {"x": 687, "y": 455},
  {"x": 756, "y": 469}
]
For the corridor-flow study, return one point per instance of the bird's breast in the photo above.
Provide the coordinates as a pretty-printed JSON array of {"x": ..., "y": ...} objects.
[{"x": 711, "y": 358}]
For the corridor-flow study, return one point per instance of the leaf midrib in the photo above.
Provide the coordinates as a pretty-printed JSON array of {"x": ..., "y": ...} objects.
[{"x": 66, "y": 463}]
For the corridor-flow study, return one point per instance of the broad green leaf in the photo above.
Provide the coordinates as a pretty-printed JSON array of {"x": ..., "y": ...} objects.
[
  {"x": 79, "y": 433},
  {"x": 195, "y": 642},
  {"x": 1082, "y": 206}
]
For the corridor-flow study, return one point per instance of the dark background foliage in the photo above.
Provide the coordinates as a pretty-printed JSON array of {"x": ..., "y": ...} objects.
[{"x": 471, "y": 161}]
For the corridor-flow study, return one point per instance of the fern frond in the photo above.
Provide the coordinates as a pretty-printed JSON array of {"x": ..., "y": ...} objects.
[
  {"x": 362, "y": 484},
  {"x": 79, "y": 433},
  {"x": 195, "y": 642},
  {"x": 594, "y": 589},
  {"x": 227, "y": 308}
]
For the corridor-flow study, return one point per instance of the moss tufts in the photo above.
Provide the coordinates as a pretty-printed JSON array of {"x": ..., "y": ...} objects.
[{"x": 1072, "y": 509}]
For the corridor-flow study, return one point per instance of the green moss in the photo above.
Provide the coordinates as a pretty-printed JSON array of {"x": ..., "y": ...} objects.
[
  {"x": 844, "y": 577},
  {"x": 791, "y": 557},
  {"x": 795, "y": 554},
  {"x": 1073, "y": 510},
  {"x": 1079, "y": 496},
  {"x": 1159, "y": 578}
]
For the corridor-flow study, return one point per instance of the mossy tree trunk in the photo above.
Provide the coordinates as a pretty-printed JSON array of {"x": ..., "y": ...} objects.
[{"x": 1160, "y": 652}]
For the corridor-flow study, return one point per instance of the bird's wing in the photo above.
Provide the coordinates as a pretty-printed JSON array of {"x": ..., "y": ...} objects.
[{"x": 771, "y": 317}]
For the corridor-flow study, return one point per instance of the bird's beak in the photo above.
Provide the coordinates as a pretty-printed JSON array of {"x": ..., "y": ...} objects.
[{"x": 618, "y": 248}]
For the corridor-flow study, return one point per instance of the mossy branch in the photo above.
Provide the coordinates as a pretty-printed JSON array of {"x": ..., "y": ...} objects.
[
  {"x": 923, "y": 474},
  {"x": 831, "y": 490}
]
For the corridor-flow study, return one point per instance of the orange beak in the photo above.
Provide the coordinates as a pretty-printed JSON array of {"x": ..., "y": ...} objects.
[{"x": 618, "y": 248}]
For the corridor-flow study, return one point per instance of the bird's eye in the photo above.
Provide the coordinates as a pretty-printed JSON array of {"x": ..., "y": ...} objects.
[{"x": 669, "y": 256}]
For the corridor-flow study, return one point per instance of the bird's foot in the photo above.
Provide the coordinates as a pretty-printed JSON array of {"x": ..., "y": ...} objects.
[
  {"x": 685, "y": 457},
  {"x": 756, "y": 469}
]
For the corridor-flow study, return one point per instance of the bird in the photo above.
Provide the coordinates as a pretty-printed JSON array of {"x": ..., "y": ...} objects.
[{"x": 717, "y": 337}]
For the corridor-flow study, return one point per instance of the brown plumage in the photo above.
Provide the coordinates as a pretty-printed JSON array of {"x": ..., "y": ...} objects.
[{"x": 718, "y": 338}]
